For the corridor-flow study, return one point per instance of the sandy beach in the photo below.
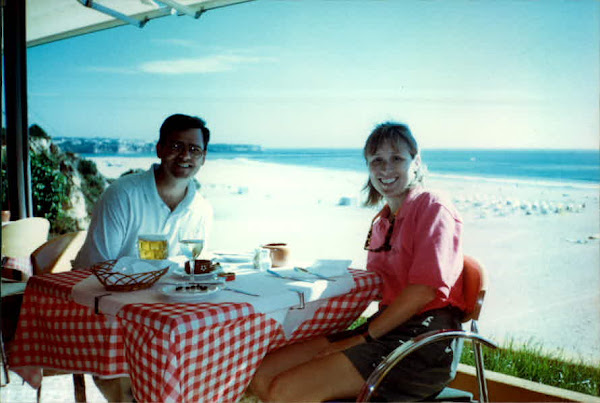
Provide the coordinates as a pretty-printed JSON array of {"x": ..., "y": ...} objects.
[{"x": 539, "y": 241}]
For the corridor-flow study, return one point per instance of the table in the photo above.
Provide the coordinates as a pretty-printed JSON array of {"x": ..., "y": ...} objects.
[{"x": 171, "y": 351}]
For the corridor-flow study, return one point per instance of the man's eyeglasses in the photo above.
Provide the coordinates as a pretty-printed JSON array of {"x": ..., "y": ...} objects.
[
  {"x": 388, "y": 237},
  {"x": 177, "y": 147}
]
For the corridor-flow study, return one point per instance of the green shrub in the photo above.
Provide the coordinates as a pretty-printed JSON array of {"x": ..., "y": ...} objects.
[
  {"x": 37, "y": 132},
  {"x": 93, "y": 182},
  {"x": 530, "y": 362},
  {"x": 87, "y": 167},
  {"x": 51, "y": 172},
  {"x": 92, "y": 189},
  {"x": 50, "y": 188},
  {"x": 64, "y": 224}
]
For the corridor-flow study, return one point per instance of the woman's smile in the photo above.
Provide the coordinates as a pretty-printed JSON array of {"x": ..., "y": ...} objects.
[
  {"x": 391, "y": 170},
  {"x": 388, "y": 181}
]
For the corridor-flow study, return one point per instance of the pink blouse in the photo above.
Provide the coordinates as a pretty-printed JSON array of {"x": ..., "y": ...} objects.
[{"x": 426, "y": 249}]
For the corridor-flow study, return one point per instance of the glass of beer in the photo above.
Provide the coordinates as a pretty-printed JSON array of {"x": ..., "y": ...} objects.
[{"x": 155, "y": 247}]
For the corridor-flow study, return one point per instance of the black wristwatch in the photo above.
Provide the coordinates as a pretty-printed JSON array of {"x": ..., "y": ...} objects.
[{"x": 367, "y": 336}]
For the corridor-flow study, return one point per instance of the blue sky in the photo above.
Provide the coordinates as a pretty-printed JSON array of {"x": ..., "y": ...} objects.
[{"x": 282, "y": 73}]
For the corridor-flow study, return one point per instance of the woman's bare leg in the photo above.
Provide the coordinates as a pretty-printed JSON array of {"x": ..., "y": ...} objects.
[
  {"x": 283, "y": 359},
  {"x": 329, "y": 377}
]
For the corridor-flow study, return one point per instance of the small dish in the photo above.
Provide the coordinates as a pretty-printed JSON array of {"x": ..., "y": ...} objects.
[{"x": 189, "y": 291}]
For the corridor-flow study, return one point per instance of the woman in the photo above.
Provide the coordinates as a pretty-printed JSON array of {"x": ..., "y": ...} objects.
[{"x": 414, "y": 245}]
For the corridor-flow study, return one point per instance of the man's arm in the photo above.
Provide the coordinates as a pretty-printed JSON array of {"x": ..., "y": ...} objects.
[{"x": 106, "y": 232}]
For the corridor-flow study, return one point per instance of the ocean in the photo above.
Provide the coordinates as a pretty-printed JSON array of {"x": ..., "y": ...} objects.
[
  {"x": 554, "y": 166},
  {"x": 573, "y": 166}
]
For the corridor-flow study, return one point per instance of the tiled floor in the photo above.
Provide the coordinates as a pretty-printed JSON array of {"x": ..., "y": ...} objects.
[
  {"x": 59, "y": 389},
  {"x": 56, "y": 389}
]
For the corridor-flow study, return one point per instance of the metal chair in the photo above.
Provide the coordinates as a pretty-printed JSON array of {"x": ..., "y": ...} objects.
[{"x": 475, "y": 284}]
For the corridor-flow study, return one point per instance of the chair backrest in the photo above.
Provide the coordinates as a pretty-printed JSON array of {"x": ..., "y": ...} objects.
[
  {"x": 56, "y": 254},
  {"x": 475, "y": 284},
  {"x": 20, "y": 238}
]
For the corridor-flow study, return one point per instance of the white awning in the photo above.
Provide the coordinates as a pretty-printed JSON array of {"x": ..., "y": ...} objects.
[{"x": 52, "y": 20}]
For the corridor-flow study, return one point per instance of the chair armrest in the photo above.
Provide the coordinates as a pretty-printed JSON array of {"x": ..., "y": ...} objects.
[{"x": 409, "y": 347}]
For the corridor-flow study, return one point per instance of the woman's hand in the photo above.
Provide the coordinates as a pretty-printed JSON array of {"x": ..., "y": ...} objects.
[{"x": 341, "y": 345}]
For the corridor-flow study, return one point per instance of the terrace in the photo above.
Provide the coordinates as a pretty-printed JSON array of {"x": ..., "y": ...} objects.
[{"x": 18, "y": 37}]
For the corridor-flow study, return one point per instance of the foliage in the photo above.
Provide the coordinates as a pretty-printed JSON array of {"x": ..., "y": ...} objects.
[
  {"x": 530, "y": 362},
  {"x": 93, "y": 183},
  {"x": 50, "y": 187},
  {"x": 64, "y": 224},
  {"x": 357, "y": 323},
  {"x": 87, "y": 167},
  {"x": 51, "y": 177},
  {"x": 37, "y": 132}
]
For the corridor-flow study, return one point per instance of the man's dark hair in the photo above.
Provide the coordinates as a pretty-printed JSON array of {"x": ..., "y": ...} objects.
[{"x": 180, "y": 122}]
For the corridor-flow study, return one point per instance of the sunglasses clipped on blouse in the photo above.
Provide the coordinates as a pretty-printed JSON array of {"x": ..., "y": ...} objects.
[{"x": 388, "y": 237}]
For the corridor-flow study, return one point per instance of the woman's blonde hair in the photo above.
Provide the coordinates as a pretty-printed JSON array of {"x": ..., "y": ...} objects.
[{"x": 394, "y": 133}]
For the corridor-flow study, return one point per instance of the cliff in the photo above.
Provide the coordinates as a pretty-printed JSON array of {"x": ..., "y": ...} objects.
[{"x": 65, "y": 187}]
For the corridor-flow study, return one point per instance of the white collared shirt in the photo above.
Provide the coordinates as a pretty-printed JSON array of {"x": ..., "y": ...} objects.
[{"x": 131, "y": 206}]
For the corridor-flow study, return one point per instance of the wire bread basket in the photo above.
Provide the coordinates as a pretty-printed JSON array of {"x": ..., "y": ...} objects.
[{"x": 116, "y": 281}]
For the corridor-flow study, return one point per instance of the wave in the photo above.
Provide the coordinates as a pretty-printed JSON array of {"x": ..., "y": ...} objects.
[{"x": 517, "y": 181}]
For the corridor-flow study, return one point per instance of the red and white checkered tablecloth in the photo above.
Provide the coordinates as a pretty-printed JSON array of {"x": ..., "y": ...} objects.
[
  {"x": 172, "y": 352},
  {"x": 17, "y": 268}
]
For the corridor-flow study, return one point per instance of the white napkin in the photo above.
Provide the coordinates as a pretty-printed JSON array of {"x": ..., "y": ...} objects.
[
  {"x": 330, "y": 267},
  {"x": 315, "y": 288},
  {"x": 131, "y": 265}
]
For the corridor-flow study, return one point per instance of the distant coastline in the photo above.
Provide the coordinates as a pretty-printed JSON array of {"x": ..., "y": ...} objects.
[{"x": 112, "y": 146}]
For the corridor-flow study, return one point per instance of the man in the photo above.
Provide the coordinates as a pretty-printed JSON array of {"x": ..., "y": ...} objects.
[{"x": 159, "y": 201}]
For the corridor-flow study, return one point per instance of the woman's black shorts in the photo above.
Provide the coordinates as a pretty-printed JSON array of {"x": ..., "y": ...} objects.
[{"x": 420, "y": 375}]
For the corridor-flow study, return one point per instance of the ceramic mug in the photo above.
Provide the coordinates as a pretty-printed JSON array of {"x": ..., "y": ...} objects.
[
  {"x": 279, "y": 253},
  {"x": 201, "y": 266}
]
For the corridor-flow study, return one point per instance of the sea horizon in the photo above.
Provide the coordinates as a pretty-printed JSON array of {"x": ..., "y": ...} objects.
[{"x": 579, "y": 168}]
